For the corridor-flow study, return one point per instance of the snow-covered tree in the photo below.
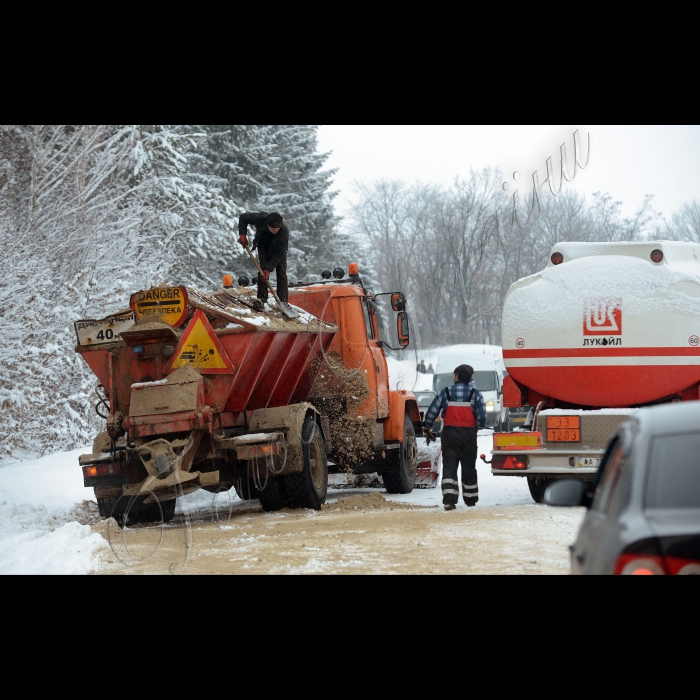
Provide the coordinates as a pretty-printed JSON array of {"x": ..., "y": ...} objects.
[
  {"x": 273, "y": 168},
  {"x": 88, "y": 214}
]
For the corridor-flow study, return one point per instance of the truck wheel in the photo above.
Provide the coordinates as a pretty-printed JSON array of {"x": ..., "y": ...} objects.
[
  {"x": 537, "y": 486},
  {"x": 403, "y": 479},
  {"x": 115, "y": 507},
  {"x": 308, "y": 488},
  {"x": 245, "y": 489},
  {"x": 272, "y": 493}
]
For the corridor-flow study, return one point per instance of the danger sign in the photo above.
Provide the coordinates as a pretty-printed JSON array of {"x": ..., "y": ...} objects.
[
  {"x": 168, "y": 304},
  {"x": 200, "y": 348}
]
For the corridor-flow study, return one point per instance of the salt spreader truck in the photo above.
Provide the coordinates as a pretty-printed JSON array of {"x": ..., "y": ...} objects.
[
  {"x": 605, "y": 328},
  {"x": 201, "y": 391}
]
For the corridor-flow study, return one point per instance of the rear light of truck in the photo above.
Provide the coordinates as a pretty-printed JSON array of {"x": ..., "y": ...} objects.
[
  {"x": 509, "y": 462},
  {"x": 557, "y": 258},
  {"x": 93, "y": 470},
  {"x": 648, "y": 565},
  {"x": 656, "y": 255}
]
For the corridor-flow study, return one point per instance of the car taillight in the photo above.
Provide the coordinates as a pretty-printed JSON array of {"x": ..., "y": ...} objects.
[
  {"x": 639, "y": 565},
  {"x": 681, "y": 566},
  {"x": 102, "y": 469},
  {"x": 645, "y": 565},
  {"x": 509, "y": 462}
]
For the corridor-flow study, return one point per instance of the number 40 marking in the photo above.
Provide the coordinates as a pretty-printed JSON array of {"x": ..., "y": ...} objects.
[{"x": 105, "y": 335}]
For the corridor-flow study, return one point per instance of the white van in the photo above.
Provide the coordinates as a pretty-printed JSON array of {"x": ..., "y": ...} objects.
[{"x": 489, "y": 370}]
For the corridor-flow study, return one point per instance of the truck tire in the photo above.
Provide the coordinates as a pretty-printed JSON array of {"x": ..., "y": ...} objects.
[
  {"x": 308, "y": 488},
  {"x": 272, "y": 493},
  {"x": 245, "y": 489},
  {"x": 403, "y": 478},
  {"x": 537, "y": 486},
  {"x": 116, "y": 506}
]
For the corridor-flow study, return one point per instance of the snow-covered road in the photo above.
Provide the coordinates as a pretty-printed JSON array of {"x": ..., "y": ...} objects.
[{"x": 46, "y": 513}]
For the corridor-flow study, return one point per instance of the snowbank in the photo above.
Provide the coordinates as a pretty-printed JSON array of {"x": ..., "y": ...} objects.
[{"x": 45, "y": 516}]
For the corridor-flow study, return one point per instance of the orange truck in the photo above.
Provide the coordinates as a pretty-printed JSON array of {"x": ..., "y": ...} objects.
[{"x": 201, "y": 391}]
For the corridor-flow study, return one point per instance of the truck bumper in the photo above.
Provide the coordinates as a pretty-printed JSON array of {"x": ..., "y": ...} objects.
[
  {"x": 548, "y": 472},
  {"x": 547, "y": 463}
]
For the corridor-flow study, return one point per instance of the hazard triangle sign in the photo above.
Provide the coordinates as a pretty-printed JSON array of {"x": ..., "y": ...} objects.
[{"x": 200, "y": 348}]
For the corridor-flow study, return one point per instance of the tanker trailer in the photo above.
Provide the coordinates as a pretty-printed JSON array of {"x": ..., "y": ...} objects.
[
  {"x": 605, "y": 328},
  {"x": 202, "y": 390}
]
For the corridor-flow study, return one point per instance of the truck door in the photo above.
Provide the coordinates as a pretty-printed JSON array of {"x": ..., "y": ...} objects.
[{"x": 378, "y": 360}]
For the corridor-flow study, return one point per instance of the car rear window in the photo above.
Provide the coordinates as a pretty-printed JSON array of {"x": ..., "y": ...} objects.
[{"x": 674, "y": 472}]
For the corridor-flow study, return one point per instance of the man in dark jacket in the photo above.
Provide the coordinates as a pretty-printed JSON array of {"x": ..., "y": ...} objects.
[
  {"x": 272, "y": 241},
  {"x": 464, "y": 413}
]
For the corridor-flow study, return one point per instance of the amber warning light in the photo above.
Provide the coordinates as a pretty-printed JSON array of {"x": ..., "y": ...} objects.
[{"x": 354, "y": 270}]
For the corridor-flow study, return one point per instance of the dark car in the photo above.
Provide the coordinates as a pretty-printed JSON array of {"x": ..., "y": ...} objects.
[{"x": 644, "y": 502}]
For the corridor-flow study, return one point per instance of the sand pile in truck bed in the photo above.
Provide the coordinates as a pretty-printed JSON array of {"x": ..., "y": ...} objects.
[{"x": 236, "y": 303}]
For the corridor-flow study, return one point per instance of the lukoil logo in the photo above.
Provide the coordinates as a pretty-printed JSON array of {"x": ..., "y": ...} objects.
[{"x": 602, "y": 316}]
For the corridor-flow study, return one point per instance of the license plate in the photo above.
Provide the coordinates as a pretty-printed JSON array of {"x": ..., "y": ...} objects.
[{"x": 588, "y": 461}]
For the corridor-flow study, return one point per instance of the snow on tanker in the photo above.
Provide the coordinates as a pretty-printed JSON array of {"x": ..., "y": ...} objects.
[{"x": 605, "y": 328}]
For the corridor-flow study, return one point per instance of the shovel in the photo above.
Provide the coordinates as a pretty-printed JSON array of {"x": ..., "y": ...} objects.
[{"x": 284, "y": 307}]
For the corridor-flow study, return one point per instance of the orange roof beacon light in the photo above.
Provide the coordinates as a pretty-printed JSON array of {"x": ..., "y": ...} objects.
[
  {"x": 228, "y": 281},
  {"x": 354, "y": 270}
]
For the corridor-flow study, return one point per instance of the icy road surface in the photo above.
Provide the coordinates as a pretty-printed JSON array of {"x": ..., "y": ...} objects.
[{"x": 49, "y": 525}]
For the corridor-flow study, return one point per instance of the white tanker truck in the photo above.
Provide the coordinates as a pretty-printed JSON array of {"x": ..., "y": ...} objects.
[{"x": 605, "y": 328}]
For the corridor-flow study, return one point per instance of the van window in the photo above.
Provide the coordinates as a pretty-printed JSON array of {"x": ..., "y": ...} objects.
[{"x": 484, "y": 381}]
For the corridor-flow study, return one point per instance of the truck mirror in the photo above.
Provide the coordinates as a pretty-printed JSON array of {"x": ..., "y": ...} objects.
[
  {"x": 402, "y": 328},
  {"x": 398, "y": 303}
]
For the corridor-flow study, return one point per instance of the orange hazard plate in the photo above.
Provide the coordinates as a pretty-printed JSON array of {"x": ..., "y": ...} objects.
[{"x": 563, "y": 428}]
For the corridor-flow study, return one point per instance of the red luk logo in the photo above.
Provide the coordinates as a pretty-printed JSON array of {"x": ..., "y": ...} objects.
[{"x": 602, "y": 316}]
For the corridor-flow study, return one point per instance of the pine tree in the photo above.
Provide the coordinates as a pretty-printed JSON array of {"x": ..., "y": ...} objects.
[{"x": 273, "y": 168}]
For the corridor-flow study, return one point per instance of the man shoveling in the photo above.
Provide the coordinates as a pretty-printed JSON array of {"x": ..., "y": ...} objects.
[{"x": 272, "y": 241}]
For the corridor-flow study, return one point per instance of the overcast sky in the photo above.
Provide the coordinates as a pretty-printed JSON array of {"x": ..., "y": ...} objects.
[{"x": 626, "y": 161}]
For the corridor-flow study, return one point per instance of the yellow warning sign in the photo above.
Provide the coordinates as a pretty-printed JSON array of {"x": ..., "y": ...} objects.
[
  {"x": 168, "y": 304},
  {"x": 200, "y": 348}
]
